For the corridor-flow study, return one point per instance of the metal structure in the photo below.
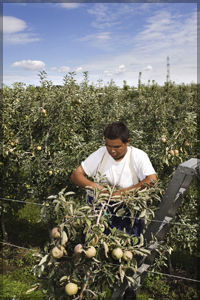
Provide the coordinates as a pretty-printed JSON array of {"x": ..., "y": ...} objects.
[{"x": 160, "y": 224}]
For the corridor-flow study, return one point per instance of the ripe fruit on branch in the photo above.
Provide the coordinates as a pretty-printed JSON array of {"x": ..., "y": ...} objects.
[
  {"x": 39, "y": 148},
  {"x": 117, "y": 253},
  {"x": 71, "y": 289},
  {"x": 176, "y": 152},
  {"x": 57, "y": 253},
  {"x": 171, "y": 152},
  {"x": 78, "y": 249},
  {"x": 127, "y": 255},
  {"x": 44, "y": 111},
  {"x": 163, "y": 140},
  {"x": 187, "y": 143},
  {"x": 50, "y": 172},
  {"x": 11, "y": 150},
  {"x": 55, "y": 233},
  {"x": 90, "y": 252}
]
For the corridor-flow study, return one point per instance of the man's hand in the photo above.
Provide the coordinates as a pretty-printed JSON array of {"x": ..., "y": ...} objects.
[
  {"x": 79, "y": 178},
  {"x": 149, "y": 180}
]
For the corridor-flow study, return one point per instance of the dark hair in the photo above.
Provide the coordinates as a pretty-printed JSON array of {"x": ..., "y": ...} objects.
[{"x": 117, "y": 130}]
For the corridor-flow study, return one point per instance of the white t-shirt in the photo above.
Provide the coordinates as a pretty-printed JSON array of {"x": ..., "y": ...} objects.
[{"x": 118, "y": 173}]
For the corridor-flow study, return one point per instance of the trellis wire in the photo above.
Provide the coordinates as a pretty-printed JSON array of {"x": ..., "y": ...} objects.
[
  {"x": 128, "y": 217},
  {"x": 153, "y": 272}
]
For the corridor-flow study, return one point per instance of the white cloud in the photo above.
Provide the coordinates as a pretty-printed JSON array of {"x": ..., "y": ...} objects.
[
  {"x": 64, "y": 69},
  {"x": 54, "y": 68},
  {"x": 103, "y": 36},
  {"x": 12, "y": 24},
  {"x": 120, "y": 70},
  {"x": 147, "y": 68},
  {"x": 79, "y": 70},
  {"x": 29, "y": 65},
  {"x": 69, "y": 5},
  {"x": 20, "y": 38},
  {"x": 108, "y": 73},
  {"x": 13, "y": 30}
]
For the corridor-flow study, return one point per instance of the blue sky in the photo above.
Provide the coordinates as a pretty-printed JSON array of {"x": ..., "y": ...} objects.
[{"x": 109, "y": 40}]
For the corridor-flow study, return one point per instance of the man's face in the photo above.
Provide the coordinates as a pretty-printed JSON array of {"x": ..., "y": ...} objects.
[{"x": 116, "y": 148}]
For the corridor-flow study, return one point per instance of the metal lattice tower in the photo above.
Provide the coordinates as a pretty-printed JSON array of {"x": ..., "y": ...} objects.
[{"x": 168, "y": 69}]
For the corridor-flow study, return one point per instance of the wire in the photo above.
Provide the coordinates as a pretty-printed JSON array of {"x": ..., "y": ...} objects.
[
  {"x": 174, "y": 276},
  {"x": 24, "y": 202},
  {"x": 17, "y": 246},
  {"x": 21, "y": 201},
  {"x": 127, "y": 217},
  {"x": 153, "y": 272}
]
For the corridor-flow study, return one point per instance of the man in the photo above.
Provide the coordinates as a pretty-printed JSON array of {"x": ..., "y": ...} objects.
[{"x": 125, "y": 167}]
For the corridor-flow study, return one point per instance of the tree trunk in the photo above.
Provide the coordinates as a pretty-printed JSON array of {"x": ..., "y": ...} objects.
[{"x": 5, "y": 235}]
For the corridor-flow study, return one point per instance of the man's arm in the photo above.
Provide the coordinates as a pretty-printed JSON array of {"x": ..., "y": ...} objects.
[
  {"x": 148, "y": 179},
  {"x": 79, "y": 178}
]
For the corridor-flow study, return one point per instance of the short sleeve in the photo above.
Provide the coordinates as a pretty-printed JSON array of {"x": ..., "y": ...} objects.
[
  {"x": 91, "y": 163},
  {"x": 142, "y": 164}
]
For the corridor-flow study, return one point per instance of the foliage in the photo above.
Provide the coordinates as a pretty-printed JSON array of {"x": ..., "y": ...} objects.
[
  {"x": 18, "y": 289},
  {"x": 86, "y": 226},
  {"x": 48, "y": 130}
]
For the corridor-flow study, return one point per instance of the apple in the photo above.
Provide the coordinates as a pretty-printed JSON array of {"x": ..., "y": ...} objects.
[
  {"x": 11, "y": 150},
  {"x": 55, "y": 233},
  {"x": 163, "y": 140},
  {"x": 71, "y": 289},
  {"x": 57, "y": 253},
  {"x": 127, "y": 255},
  {"x": 39, "y": 148},
  {"x": 117, "y": 253},
  {"x": 176, "y": 152},
  {"x": 44, "y": 111},
  {"x": 16, "y": 142},
  {"x": 187, "y": 143},
  {"x": 50, "y": 172},
  {"x": 171, "y": 152},
  {"x": 90, "y": 252},
  {"x": 78, "y": 249}
]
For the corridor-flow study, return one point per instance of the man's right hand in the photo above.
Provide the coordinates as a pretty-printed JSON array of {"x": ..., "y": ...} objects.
[{"x": 79, "y": 178}]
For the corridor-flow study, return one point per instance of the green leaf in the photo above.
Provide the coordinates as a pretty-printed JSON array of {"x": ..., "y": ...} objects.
[
  {"x": 120, "y": 212},
  {"x": 106, "y": 249},
  {"x": 88, "y": 221},
  {"x": 143, "y": 213},
  {"x": 43, "y": 260},
  {"x": 69, "y": 193},
  {"x": 131, "y": 280}
]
